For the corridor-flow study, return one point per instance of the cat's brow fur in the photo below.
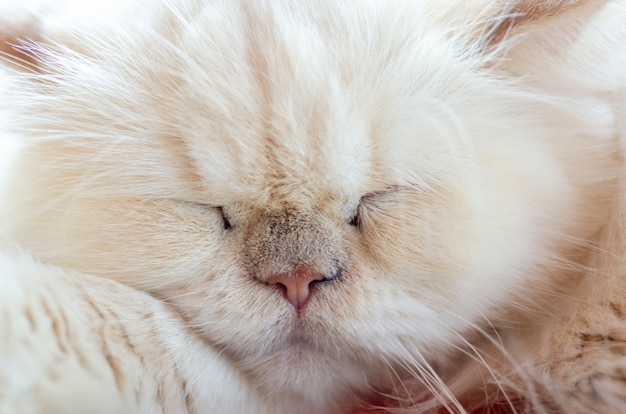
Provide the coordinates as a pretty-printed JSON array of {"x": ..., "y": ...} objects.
[{"x": 450, "y": 173}]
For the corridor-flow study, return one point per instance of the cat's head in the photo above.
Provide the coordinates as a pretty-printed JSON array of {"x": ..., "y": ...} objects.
[{"x": 323, "y": 191}]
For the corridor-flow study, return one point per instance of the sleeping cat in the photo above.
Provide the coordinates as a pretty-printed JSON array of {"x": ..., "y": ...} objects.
[{"x": 255, "y": 206}]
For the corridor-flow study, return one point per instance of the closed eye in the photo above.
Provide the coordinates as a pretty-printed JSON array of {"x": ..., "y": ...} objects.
[
  {"x": 226, "y": 225},
  {"x": 355, "y": 220},
  {"x": 372, "y": 198},
  {"x": 225, "y": 222}
]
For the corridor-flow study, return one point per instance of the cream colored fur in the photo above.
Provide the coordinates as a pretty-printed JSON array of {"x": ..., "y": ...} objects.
[{"x": 454, "y": 169}]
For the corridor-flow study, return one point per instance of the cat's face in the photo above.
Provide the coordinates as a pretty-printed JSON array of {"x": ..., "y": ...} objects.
[{"x": 321, "y": 192}]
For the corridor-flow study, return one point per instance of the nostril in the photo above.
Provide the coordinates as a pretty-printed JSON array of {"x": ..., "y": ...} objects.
[
  {"x": 280, "y": 285},
  {"x": 316, "y": 282},
  {"x": 296, "y": 286}
]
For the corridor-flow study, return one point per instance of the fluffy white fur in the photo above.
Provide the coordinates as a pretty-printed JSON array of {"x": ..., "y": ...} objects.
[{"x": 454, "y": 169}]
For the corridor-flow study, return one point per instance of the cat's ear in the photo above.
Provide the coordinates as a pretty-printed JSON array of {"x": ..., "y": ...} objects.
[
  {"x": 560, "y": 41},
  {"x": 19, "y": 30},
  {"x": 32, "y": 30},
  {"x": 556, "y": 22}
]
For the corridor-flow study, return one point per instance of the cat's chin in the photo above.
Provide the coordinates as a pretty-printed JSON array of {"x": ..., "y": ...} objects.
[
  {"x": 298, "y": 368},
  {"x": 297, "y": 354},
  {"x": 301, "y": 374}
]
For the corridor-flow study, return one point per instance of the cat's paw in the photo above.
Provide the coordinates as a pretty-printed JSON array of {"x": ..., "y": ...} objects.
[{"x": 595, "y": 378}]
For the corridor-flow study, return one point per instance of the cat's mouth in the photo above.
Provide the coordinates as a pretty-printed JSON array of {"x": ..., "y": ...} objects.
[
  {"x": 298, "y": 350},
  {"x": 299, "y": 341}
]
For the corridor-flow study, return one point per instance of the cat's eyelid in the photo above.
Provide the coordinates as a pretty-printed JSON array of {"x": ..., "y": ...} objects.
[
  {"x": 225, "y": 221},
  {"x": 390, "y": 189},
  {"x": 355, "y": 218},
  {"x": 195, "y": 203}
]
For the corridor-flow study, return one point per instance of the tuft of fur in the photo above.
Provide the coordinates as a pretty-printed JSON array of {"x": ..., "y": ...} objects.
[{"x": 452, "y": 169}]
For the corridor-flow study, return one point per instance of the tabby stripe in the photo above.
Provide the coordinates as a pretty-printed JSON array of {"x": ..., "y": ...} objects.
[
  {"x": 159, "y": 397},
  {"x": 113, "y": 363},
  {"x": 31, "y": 319},
  {"x": 188, "y": 398},
  {"x": 130, "y": 346},
  {"x": 55, "y": 324}
]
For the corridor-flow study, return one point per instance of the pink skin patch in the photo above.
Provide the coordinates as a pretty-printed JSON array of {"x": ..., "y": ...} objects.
[{"x": 296, "y": 286}]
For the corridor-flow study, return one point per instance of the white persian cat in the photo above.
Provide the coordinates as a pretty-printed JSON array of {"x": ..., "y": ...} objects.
[{"x": 313, "y": 206}]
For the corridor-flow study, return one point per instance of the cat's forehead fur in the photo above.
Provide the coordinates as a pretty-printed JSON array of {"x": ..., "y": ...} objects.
[
  {"x": 267, "y": 106},
  {"x": 297, "y": 120}
]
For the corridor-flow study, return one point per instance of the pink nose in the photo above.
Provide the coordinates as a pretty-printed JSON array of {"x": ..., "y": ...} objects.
[{"x": 296, "y": 286}]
